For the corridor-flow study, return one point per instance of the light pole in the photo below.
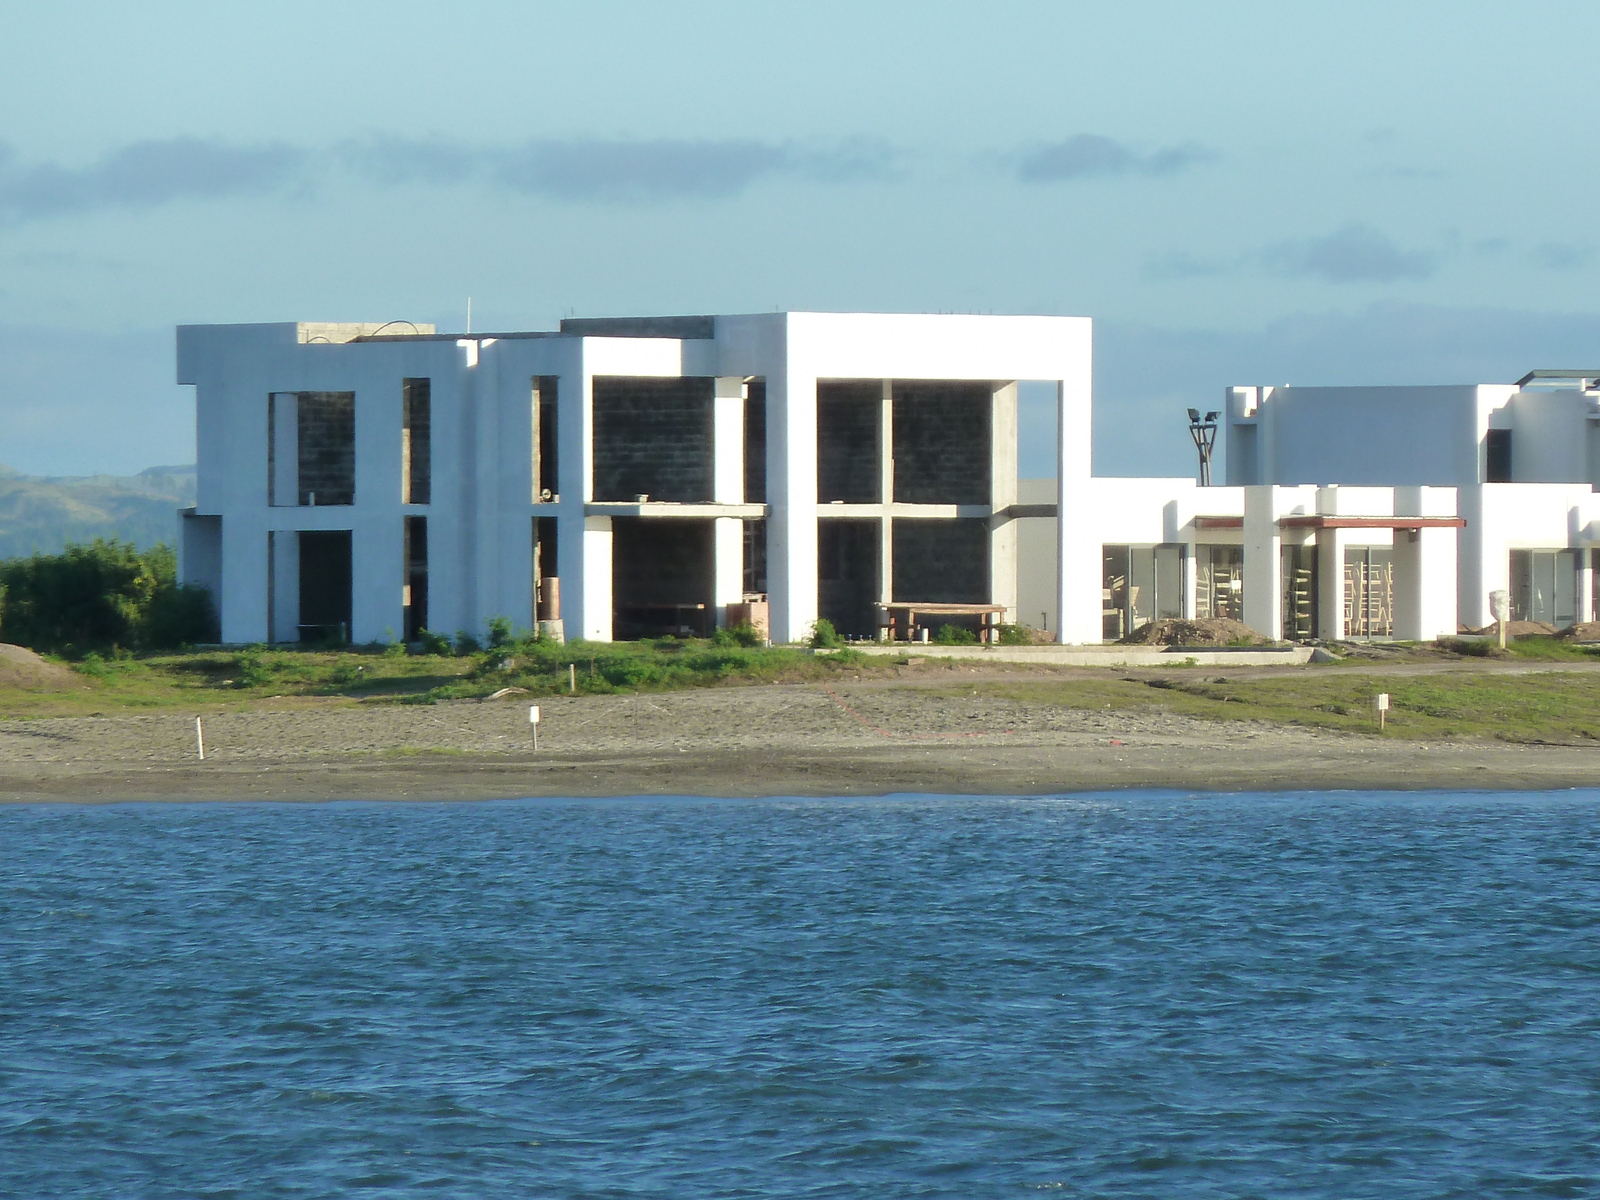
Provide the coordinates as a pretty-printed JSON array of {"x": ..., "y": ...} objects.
[{"x": 1204, "y": 433}]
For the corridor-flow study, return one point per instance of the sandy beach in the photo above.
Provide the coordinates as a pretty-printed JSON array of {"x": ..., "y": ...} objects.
[{"x": 799, "y": 740}]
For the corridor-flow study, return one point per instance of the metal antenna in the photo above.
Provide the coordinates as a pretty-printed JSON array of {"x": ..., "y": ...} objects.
[{"x": 1204, "y": 432}]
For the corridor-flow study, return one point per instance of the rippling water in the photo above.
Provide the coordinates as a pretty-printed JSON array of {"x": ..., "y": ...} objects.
[{"x": 1308, "y": 995}]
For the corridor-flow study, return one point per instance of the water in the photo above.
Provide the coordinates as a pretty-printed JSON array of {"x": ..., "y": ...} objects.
[{"x": 1318, "y": 995}]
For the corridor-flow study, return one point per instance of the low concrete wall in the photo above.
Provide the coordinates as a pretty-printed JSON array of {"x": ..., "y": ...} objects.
[{"x": 1101, "y": 656}]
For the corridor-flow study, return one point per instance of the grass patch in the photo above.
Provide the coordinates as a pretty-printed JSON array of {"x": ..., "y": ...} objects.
[{"x": 1553, "y": 707}]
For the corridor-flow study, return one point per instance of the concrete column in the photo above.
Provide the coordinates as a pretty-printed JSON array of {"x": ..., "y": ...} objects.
[
  {"x": 585, "y": 582},
  {"x": 1424, "y": 567},
  {"x": 1330, "y": 584},
  {"x": 284, "y": 573},
  {"x": 727, "y": 441},
  {"x": 792, "y": 501},
  {"x": 728, "y": 551},
  {"x": 378, "y": 572},
  {"x": 593, "y": 606},
  {"x": 1002, "y": 494},
  {"x": 1263, "y": 563},
  {"x": 1585, "y": 584},
  {"x": 285, "y": 482},
  {"x": 886, "y": 494},
  {"x": 1078, "y": 564}
]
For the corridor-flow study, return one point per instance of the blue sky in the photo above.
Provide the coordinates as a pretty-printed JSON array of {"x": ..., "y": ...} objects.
[{"x": 1236, "y": 192}]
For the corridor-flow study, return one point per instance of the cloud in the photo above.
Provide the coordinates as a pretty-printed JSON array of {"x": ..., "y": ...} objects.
[
  {"x": 1357, "y": 253},
  {"x": 1179, "y": 264},
  {"x": 636, "y": 170},
  {"x": 146, "y": 174},
  {"x": 1562, "y": 256},
  {"x": 1088, "y": 155},
  {"x": 618, "y": 170}
]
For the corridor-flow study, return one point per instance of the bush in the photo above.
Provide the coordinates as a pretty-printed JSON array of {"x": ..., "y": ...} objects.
[
  {"x": 501, "y": 632},
  {"x": 738, "y": 635},
  {"x": 100, "y": 595},
  {"x": 955, "y": 635},
  {"x": 466, "y": 643},
  {"x": 824, "y": 636},
  {"x": 1014, "y": 635},
  {"x": 434, "y": 643}
]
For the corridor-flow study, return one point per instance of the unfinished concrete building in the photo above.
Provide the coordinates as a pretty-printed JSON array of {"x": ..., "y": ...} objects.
[{"x": 629, "y": 477}]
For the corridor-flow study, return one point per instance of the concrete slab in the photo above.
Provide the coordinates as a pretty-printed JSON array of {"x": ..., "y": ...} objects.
[{"x": 1102, "y": 656}]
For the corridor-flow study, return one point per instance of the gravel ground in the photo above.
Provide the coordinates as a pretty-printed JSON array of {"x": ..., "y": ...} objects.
[{"x": 799, "y": 740}]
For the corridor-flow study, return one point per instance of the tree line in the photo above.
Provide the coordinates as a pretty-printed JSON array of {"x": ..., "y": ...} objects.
[{"x": 100, "y": 595}]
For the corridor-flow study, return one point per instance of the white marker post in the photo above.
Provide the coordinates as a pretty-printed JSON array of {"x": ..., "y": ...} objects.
[
  {"x": 200, "y": 738},
  {"x": 1500, "y": 607},
  {"x": 572, "y": 677},
  {"x": 533, "y": 724},
  {"x": 1383, "y": 708}
]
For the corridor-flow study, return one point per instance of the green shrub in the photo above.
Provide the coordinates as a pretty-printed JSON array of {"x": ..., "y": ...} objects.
[
  {"x": 501, "y": 632},
  {"x": 103, "y": 594},
  {"x": 466, "y": 643},
  {"x": 824, "y": 636},
  {"x": 955, "y": 635},
  {"x": 745, "y": 636},
  {"x": 1014, "y": 635},
  {"x": 434, "y": 643}
]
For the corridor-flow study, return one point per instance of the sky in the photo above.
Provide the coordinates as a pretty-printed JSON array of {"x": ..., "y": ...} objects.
[{"x": 1236, "y": 192}]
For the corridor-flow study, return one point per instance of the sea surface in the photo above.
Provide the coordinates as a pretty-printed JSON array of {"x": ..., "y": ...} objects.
[{"x": 1329, "y": 995}]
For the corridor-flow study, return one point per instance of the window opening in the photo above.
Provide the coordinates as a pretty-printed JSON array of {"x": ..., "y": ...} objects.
[
  {"x": 1544, "y": 586},
  {"x": 652, "y": 438},
  {"x": 1139, "y": 584},
  {"x": 546, "y": 572},
  {"x": 849, "y": 428},
  {"x": 1368, "y": 592},
  {"x": 1497, "y": 456},
  {"x": 1300, "y": 618},
  {"x": 325, "y": 585},
  {"x": 416, "y": 442},
  {"x": 546, "y": 455},
  {"x": 416, "y": 585},
  {"x": 755, "y": 446},
  {"x": 1219, "y": 582}
]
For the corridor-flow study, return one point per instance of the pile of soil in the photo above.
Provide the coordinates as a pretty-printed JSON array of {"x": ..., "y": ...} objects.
[
  {"x": 22, "y": 668},
  {"x": 1584, "y": 631},
  {"x": 1516, "y": 629},
  {"x": 1213, "y": 631}
]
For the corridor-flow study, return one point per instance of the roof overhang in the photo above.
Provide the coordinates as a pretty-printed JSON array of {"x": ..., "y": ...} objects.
[{"x": 1322, "y": 522}]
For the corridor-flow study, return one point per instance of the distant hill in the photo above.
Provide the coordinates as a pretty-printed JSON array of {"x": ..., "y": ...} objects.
[{"x": 43, "y": 513}]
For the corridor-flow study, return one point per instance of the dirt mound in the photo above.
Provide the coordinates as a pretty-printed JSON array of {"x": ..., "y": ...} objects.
[
  {"x": 1516, "y": 629},
  {"x": 22, "y": 668},
  {"x": 1212, "y": 631},
  {"x": 1584, "y": 631}
]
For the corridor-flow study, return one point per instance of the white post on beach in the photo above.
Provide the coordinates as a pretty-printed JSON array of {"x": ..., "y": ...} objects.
[
  {"x": 533, "y": 724},
  {"x": 1383, "y": 708},
  {"x": 572, "y": 677},
  {"x": 200, "y": 738},
  {"x": 1500, "y": 607}
]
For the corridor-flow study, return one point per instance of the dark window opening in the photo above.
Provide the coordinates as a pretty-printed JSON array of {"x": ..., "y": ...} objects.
[
  {"x": 941, "y": 561},
  {"x": 546, "y": 571},
  {"x": 326, "y": 423},
  {"x": 652, "y": 438},
  {"x": 847, "y": 575},
  {"x": 661, "y": 577},
  {"x": 755, "y": 442},
  {"x": 1544, "y": 586},
  {"x": 325, "y": 585},
  {"x": 416, "y": 585},
  {"x": 546, "y": 460},
  {"x": 1219, "y": 582},
  {"x": 416, "y": 442},
  {"x": 755, "y": 558},
  {"x": 849, "y": 434},
  {"x": 1497, "y": 456},
  {"x": 942, "y": 443}
]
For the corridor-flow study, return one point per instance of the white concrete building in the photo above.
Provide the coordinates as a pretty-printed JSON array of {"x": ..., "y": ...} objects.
[
  {"x": 638, "y": 476},
  {"x": 1523, "y": 458}
]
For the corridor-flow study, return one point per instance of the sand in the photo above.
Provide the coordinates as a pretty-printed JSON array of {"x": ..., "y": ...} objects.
[{"x": 859, "y": 739}]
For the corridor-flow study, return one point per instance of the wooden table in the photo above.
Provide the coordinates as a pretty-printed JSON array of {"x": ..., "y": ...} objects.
[{"x": 902, "y": 617}]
